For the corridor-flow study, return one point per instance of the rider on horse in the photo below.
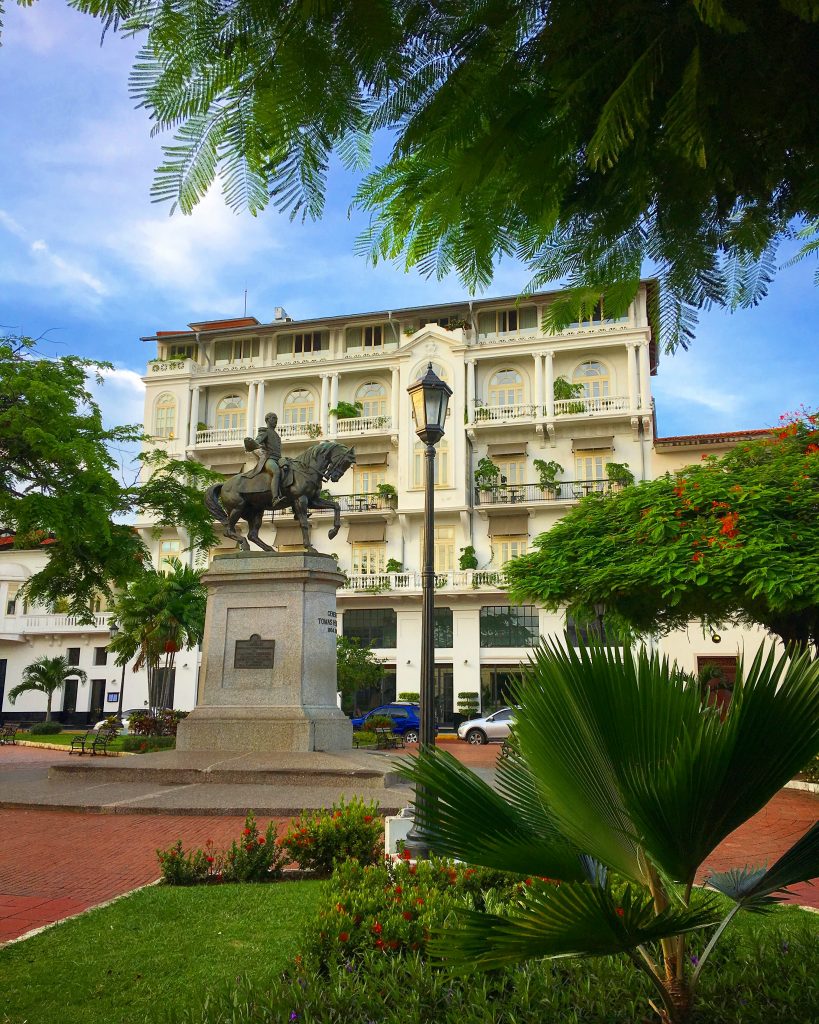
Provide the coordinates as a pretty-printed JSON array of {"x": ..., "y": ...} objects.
[{"x": 269, "y": 446}]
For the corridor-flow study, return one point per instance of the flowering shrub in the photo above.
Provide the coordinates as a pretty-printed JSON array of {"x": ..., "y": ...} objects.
[
  {"x": 377, "y": 722},
  {"x": 253, "y": 858},
  {"x": 393, "y": 907},
  {"x": 192, "y": 868},
  {"x": 165, "y": 723},
  {"x": 810, "y": 773},
  {"x": 316, "y": 840}
]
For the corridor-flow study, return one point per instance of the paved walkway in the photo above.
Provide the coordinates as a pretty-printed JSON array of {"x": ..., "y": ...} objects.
[{"x": 56, "y": 863}]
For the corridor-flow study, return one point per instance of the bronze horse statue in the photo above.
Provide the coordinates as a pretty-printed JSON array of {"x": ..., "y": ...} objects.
[{"x": 248, "y": 498}]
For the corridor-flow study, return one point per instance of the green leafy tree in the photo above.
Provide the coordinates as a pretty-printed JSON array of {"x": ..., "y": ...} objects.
[
  {"x": 583, "y": 137},
  {"x": 59, "y": 480},
  {"x": 619, "y": 787},
  {"x": 159, "y": 614},
  {"x": 734, "y": 538},
  {"x": 46, "y": 675},
  {"x": 357, "y": 668}
]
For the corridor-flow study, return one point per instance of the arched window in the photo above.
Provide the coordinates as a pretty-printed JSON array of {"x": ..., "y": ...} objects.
[
  {"x": 231, "y": 412},
  {"x": 373, "y": 398},
  {"x": 594, "y": 377},
  {"x": 299, "y": 406},
  {"x": 165, "y": 415},
  {"x": 506, "y": 388},
  {"x": 437, "y": 368}
]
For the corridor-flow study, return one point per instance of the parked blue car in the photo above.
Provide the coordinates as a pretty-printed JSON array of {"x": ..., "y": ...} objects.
[{"x": 405, "y": 717}]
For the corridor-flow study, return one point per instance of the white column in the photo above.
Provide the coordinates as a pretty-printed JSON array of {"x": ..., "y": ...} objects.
[
  {"x": 631, "y": 351},
  {"x": 470, "y": 390},
  {"x": 549, "y": 385},
  {"x": 260, "y": 401},
  {"x": 645, "y": 377},
  {"x": 395, "y": 397},
  {"x": 538, "y": 358},
  {"x": 251, "y": 409},
  {"x": 194, "y": 416},
  {"x": 333, "y": 403},
  {"x": 325, "y": 393}
]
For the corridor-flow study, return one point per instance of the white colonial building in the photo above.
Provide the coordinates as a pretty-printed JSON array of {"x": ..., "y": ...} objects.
[{"x": 580, "y": 399}]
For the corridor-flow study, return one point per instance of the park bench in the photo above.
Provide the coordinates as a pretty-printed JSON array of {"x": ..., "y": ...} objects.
[
  {"x": 79, "y": 742},
  {"x": 8, "y": 734},
  {"x": 386, "y": 739},
  {"x": 102, "y": 739}
]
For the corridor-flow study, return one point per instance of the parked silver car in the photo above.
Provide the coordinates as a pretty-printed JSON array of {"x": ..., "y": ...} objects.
[{"x": 492, "y": 727}]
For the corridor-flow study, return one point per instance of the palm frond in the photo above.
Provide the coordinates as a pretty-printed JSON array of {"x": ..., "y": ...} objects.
[
  {"x": 516, "y": 834},
  {"x": 567, "y": 920}
]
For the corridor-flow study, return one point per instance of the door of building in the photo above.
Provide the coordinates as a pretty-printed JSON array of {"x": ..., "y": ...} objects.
[
  {"x": 97, "y": 710},
  {"x": 69, "y": 700},
  {"x": 3, "y": 664},
  {"x": 443, "y": 696},
  {"x": 717, "y": 674}
]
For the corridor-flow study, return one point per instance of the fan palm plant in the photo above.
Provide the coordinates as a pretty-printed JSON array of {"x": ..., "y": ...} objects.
[
  {"x": 159, "y": 614},
  {"x": 46, "y": 675},
  {"x": 621, "y": 784}
]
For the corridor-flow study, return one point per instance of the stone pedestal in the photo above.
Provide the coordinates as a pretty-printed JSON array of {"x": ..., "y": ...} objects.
[{"x": 268, "y": 677}]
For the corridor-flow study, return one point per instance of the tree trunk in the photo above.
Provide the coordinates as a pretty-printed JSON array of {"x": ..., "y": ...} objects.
[{"x": 49, "y": 695}]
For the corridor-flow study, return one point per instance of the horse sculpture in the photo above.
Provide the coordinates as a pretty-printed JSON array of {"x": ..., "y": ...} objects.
[{"x": 246, "y": 498}]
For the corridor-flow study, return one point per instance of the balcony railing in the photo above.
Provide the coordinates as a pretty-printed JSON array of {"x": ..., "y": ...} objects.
[
  {"x": 452, "y": 579},
  {"x": 501, "y": 413},
  {"x": 351, "y": 503},
  {"x": 529, "y": 494},
  {"x": 62, "y": 623},
  {"x": 591, "y": 406},
  {"x": 363, "y": 425},
  {"x": 582, "y": 406},
  {"x": 222, "y": 435},
  {"x": 297, "y": 431}
]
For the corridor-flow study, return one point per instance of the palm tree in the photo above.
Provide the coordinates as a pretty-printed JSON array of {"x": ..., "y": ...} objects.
[
  {"x": 46, "y": 675},
  {"x": 621, "y": 784},
  {"x": 159, "y": 614}
]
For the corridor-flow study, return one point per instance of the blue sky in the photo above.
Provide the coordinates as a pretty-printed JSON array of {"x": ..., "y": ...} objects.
[{"x": 86, "y": 257}]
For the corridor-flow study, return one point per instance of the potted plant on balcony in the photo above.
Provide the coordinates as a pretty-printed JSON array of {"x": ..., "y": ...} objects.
[
  {"x": 388, "y": 492},
  {"x": 547, "y": 471},
  {"x": 487, "y": 475},
  {"x": 619, "y": 474},
  {"x": 467, "y": 559},
  {"x": 313, "y": 430},
  {"x": 393, "y": 565},
  {"x": 565, "y": 391},
  {"x": 347, "y": 410}
]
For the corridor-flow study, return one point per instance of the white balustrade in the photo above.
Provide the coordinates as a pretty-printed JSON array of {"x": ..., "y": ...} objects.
[
  {"x": 288, "y": 431},
  {"x": 364, "y": 425},
  {"x": 584, "y": 406},
  {"x": 222, "y": 435},
  {"x": 451, "y": 579},
  {"x": 60, "y": 623},
  {"x": 501, "y": 413}
]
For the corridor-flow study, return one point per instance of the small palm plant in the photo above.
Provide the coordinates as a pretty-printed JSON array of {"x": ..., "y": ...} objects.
[
  {"x": 46, "y": 675},
  {"x": 620, "y": 785}
]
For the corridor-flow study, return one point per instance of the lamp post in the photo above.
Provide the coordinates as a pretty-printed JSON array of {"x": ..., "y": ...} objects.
[
  {"x": 430, "y": 399},
  {"x": 113, "y": 629}
]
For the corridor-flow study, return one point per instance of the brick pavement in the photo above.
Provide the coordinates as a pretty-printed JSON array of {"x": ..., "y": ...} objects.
[{"x": 56, "y": 863}]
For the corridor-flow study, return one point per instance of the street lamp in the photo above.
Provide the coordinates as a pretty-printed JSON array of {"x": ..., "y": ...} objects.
[
  {"x": 430, "y": 399},
  {"x": 113, "y": 629}
]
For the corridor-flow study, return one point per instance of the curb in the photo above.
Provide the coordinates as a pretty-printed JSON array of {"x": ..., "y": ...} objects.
[
  {"x": 67, "y": 749},
  {"x": 806, "y": 787}
]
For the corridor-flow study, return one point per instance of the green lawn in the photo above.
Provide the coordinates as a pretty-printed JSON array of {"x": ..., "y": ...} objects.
[
  {"x": 159, "y": 948},
  {"x": 64, "y": 739}
]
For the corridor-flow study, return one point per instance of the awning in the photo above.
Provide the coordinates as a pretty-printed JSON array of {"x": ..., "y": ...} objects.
[
  {"x": 289, "y": 535},
  {"x": 510, "y": 448},
  {"x": 509, "y": 526},
  {"x": 366, "y": 533},
  {"x": 371, "y": 458},
  {"x": 583, "y": 444}
]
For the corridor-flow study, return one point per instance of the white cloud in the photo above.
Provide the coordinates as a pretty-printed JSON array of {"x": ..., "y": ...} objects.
[{"x": 120, "y": 396}]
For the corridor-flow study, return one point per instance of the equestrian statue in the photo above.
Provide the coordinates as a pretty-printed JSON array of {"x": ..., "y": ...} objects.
[{"x": 276, "y": 483}]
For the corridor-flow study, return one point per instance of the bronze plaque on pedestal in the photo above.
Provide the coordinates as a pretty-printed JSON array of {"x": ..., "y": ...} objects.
[{"x": 254, "y": 653}]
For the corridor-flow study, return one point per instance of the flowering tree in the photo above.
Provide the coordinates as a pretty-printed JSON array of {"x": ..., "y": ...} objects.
[{"x": 734, "y": 538}]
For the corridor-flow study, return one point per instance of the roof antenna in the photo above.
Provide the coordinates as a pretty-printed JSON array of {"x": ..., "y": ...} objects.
[{"x": 245, "y": 312}]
